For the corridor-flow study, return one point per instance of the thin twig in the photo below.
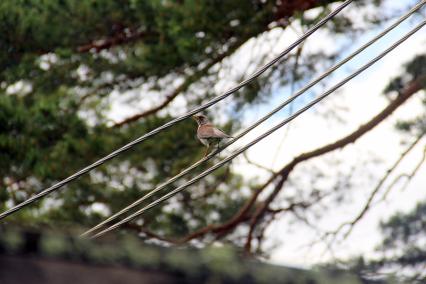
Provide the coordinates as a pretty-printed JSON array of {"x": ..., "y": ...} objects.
[
  {"x": 412, "y": 88},
  {"x": 377, "y": 188},
  {"x": 245, "y": 155}
]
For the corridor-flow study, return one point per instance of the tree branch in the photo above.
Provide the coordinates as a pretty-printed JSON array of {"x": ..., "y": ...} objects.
[
  {"x": 415, "y": 170},
  {"x": 244, "y": 215},
  {"x": 373, "y": 194},
  {"x": 284, "y": 11},
  {"x": 123, "y": 37},
  {"x": 250, "y": 162},
  {"x": 412, "y": 88},
  {"x": 184, "y": 86},
  {"x": 128, "y": 35},
  {"x": 407, "y": 176}
]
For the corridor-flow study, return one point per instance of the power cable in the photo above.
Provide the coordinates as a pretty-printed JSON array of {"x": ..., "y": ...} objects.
[
  {"x": 257, "y": 123},
  {"x": 176, "y": 120},
  {"x": 259, "y": 138}
]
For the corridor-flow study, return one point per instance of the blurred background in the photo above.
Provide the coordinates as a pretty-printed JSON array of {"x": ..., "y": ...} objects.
[{"x": 343, "y": 185}]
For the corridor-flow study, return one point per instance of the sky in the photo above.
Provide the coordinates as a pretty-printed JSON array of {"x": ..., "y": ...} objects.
[
  {"x": 355, "y": 103},
  {"x": 359, "y": 100}
]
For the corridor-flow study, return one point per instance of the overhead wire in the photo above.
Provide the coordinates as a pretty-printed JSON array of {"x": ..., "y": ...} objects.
[
  {"x": 261, "y": 120},
  {"x": 259, "y": 138},
  {"x": 178, "y": 119}
]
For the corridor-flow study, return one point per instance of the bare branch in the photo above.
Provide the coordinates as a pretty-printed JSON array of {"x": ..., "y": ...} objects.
[
  {"x": 412, "y": 88},
  {"x": 283, "y": 12},
  {"x": 287, "y": 9},
  {"x": 256, "y": 164},
  {"x": 408, "y": 176},
  {"x": 290, "y": 107},
  {"x": 246, "y": 211},
  {"x": 414, "y": 171},
  {"x": 184, "y": 86},
  {"x": 373, "y": 194}
]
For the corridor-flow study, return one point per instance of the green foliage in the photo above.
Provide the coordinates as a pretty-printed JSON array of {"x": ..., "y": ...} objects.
[
  {"x": 172, "y": 38},
  {"x": 61, "y": 60},
  {"x": 404, "y": 229},
  {"x": 414, "y": 70},
  {"x": 54, "y": 101},
  {"x": 403, "y": 255}
]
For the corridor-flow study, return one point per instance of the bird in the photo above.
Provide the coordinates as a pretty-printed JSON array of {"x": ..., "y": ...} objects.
[{"x": 207, "y": 133}]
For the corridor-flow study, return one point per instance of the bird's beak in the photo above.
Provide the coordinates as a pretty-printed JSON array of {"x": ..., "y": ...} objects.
[{"x": 194, "y": 117}]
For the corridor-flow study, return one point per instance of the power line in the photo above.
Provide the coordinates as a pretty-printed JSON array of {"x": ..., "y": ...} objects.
[
  {"x": 259, "y": 138},
  {"x": 257, "y": 123},
  {"x": 176, "y": 120}
]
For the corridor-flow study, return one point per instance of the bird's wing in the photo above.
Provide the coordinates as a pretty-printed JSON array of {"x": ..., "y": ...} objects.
[
  {"x": 209, "y": 131},
  {"x": 220, "y": 133}
]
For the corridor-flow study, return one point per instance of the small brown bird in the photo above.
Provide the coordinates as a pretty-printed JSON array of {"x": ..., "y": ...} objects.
[{"x": 207, "y": 133}]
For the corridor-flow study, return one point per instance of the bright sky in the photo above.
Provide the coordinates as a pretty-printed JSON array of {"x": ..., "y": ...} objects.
[{"x": 360, "y": 100}]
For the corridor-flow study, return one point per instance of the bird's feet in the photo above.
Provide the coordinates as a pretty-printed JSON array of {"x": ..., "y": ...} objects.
[{"x": 207, "y": 152}]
